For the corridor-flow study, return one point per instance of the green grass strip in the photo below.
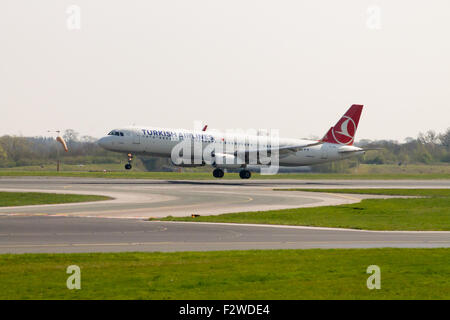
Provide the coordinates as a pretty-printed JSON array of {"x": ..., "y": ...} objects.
[
  {"x": 442, "y": 193},
  {"x": 431, "y": 211},
  {"x": 208, "y": 175},
  {"x": 11, "y": 199},
  {"x": 271, "y": 274}
]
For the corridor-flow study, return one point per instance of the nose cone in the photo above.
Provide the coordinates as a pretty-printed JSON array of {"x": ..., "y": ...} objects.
[{"x": 102, "y": 142}]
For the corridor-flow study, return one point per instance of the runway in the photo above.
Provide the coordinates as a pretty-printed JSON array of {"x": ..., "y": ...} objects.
[
  {"x": 72, "y": 234},
  {"x": 88, "y": 227},
  {"x": 143, "y": 199}
]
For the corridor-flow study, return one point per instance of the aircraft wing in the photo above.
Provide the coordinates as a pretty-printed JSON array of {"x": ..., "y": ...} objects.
[{"x": 282, "y": 151}]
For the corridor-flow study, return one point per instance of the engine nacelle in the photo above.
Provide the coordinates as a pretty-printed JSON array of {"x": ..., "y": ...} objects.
[{"x": 227, "y": 161}]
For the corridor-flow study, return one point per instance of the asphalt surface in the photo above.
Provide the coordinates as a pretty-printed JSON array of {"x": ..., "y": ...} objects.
[
  {"x": 160, "y": 198},
  {"x": 72, "y": 234},
  {"x": 88, "y": 227}
]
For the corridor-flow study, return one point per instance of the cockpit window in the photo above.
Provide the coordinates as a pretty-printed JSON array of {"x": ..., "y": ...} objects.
[{"x": 116, "y": 133}]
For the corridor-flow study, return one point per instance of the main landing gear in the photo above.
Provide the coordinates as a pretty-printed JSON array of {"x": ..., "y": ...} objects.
[
  {"x": 128, "y": 166},
  {"x": 218, "y": 173},
  {"x": 245, "y": 174}
]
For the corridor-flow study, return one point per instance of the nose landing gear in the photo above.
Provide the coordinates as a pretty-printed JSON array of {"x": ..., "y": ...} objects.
[{"x": 128, "y": 166}]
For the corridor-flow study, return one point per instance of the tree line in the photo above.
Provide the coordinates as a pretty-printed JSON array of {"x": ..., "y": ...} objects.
[{"x": 16, "y": 151}]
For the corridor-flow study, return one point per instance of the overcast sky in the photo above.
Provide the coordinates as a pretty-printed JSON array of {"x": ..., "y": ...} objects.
[{"x": 293, "y": 65}]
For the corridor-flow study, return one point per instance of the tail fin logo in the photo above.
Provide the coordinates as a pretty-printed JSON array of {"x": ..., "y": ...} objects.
[{"x": 344, "y": 131}]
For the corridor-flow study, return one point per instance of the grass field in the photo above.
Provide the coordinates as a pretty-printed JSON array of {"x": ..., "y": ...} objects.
[
  {"x": 10, "y": 199},
  {"x": 430, "y": 193},
  {"x": 208, "y": 175},
  {"x": 99, "y": 167},
  {"x": 362, "y": 169},
  {"x": 373, "y": 169},
  {"x": 429, "y": 212},
  {"x": 271, "y": 274}
]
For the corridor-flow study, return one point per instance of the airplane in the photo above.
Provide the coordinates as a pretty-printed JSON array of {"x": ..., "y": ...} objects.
[{"x": 236, "y": 151}]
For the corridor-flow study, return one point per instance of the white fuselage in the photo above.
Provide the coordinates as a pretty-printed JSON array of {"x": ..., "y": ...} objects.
[{"x": 161, "y": 141}]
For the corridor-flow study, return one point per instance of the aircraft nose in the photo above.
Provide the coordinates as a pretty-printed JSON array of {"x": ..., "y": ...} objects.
[{"x": 102, "y": 142}]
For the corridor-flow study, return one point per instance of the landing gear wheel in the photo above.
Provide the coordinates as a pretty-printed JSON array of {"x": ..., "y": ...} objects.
[
  {"x": 218, "y": 173},
  {"x": 245, "y": 174},
  {"x": 128, "y": 165}
]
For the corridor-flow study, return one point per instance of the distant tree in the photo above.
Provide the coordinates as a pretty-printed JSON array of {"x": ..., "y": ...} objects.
[
  {"x": 70, "y": 135},
  {"x": 88, "y": 139},
  {"x": 3, "y": 154},
  {"x": 403, "y": 158},
  {"x": 364, "y": 142},
  {"x": 444, "y": 138},
  {"x": 429, "y": 137},
  {"x": 16, "y": 147}
]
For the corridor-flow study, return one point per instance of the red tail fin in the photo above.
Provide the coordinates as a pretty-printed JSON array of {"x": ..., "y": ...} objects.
[{"x": 344, "y": 130}]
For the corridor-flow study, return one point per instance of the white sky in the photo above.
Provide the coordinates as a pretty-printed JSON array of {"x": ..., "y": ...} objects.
[{"x": 293, "y": 65}]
